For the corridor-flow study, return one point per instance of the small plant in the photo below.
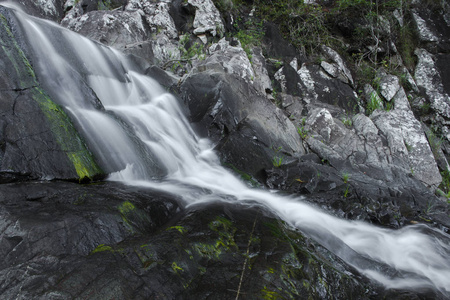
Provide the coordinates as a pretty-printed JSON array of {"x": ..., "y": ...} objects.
[
  {"x": 425, "y": 108},
  {"x": 303, "y": 122},
  {"x": 408, "y": 147},
  {"x": 277, "y": 161},
  {"x": 435, "y": 143},
  {"x": 389, "y": 106},
  {"x": 302, "y": 132},
  {"x": 251, "y": 35},
  {"x": 104, "y": 5},
  {"x": 347, "y": 121},
  {"x": 430, "y": 208},
  {"x": 373, "y": 104},
  {"x": 445, "y": 183},
  {"x": 346, "y": 191},
  {"x": 345, "y": 177}
]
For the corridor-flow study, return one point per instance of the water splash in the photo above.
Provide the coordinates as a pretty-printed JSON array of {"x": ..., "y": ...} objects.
[{"x": 140, "y": 134}]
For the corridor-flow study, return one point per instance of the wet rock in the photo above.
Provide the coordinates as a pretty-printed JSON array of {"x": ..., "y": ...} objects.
[
  {"x": 52, "y": 150},
  {"x": 50, "y": 229},
  {"x": 87, "y": 249}
]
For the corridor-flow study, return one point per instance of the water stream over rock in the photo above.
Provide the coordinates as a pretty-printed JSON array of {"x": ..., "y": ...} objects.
[{"x": 140, "y": 136}]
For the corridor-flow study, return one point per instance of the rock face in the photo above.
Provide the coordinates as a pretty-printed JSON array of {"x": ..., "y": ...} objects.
[
  {"x": 249, "y": 130},
  {"x": 113, "y": 241},
  {"x": 52, "y": 150}
]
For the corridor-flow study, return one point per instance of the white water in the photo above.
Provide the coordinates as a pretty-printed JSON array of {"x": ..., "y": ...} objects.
[{"x": 157, "y": 133}]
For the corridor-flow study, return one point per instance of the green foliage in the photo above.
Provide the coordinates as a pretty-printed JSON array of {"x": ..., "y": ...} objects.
[
  {"x": 389, "y": 105},
  {"x": 101, "y": 248},
  {"x": 345, "y": 177},
  {"x": 303, "y": 132},
  {"x": 435, "y": 143},
  {"x": 347, "y": 121},
  {"x": 365, "y": 72},
  {"x": 277, "y": 161},
  {"x": 346, "y": 191},
  {"x": 105, "y": 5},
  {"x": 224, "y": 5},
  {"x": 302, "y": 24},
  {"x": 181, "y": 229},
  {"x": 407, "y": 42},
  {"x": 196, "y": 50},
  {"x": 445, "y": 184},
  {"x": 250, "y": 35}
]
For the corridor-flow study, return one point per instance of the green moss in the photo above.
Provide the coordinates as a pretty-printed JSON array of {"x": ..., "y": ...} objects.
[
  {"x": 244, "y": 176},
  {"x": 126, "y": 208},
  {"x": 267, "y": 294},
  {"x": 207, "y": 250},
  {"x": 225, "y": 229},
  {"x": 176, "y": 268},
  {"x": 101, "y": 248},
  {"x": 62, "y": 127},
  {"x": 135, "y": 219},
  {"x": 181, "y": 229}
]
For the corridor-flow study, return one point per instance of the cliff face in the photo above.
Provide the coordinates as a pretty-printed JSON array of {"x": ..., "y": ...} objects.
[
  {"x": 346, "y": 102},
  {"x": 357, "y": 86}
]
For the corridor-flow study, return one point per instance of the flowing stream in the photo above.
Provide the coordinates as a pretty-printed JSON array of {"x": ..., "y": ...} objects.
[{"x": 141, "y": 137}]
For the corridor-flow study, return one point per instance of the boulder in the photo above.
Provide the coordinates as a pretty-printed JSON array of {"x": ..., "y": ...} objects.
[
  {"x": 207, "y": 18},
  {"x": 247, "y": 127}
]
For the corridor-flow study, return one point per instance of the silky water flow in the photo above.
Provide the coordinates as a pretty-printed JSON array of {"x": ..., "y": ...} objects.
[{"x": 141, "y": 137}]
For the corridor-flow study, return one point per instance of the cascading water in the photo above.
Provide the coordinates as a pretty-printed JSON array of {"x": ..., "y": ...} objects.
[{"x": 141, "y": 137}]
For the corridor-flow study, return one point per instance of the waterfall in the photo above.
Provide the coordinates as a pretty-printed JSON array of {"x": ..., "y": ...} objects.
[{"x": 140, "y": 136}]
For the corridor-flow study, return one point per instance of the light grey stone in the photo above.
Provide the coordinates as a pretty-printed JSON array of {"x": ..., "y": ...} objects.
[
  {"x": 428, "y": 78},
  {"x": 233, "y": 59},
  {"x": 407, "y": 142},
  {"x": 262, "y": 80},
  {"x": 335, "y": 57},
  {"x": 425, "y": 34},
  {"x": 308, "y": 82},
  {"x": 158, "y": 18},
  {"x": 207, "y": 18},
  {"x": 389, "y": 85}
]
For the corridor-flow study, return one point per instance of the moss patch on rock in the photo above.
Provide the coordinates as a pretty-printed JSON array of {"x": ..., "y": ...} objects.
[{"x": 63, "y": 130}]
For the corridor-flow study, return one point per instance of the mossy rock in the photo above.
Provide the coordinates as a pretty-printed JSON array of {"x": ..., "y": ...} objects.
[{"x": 54, "y": 149}]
